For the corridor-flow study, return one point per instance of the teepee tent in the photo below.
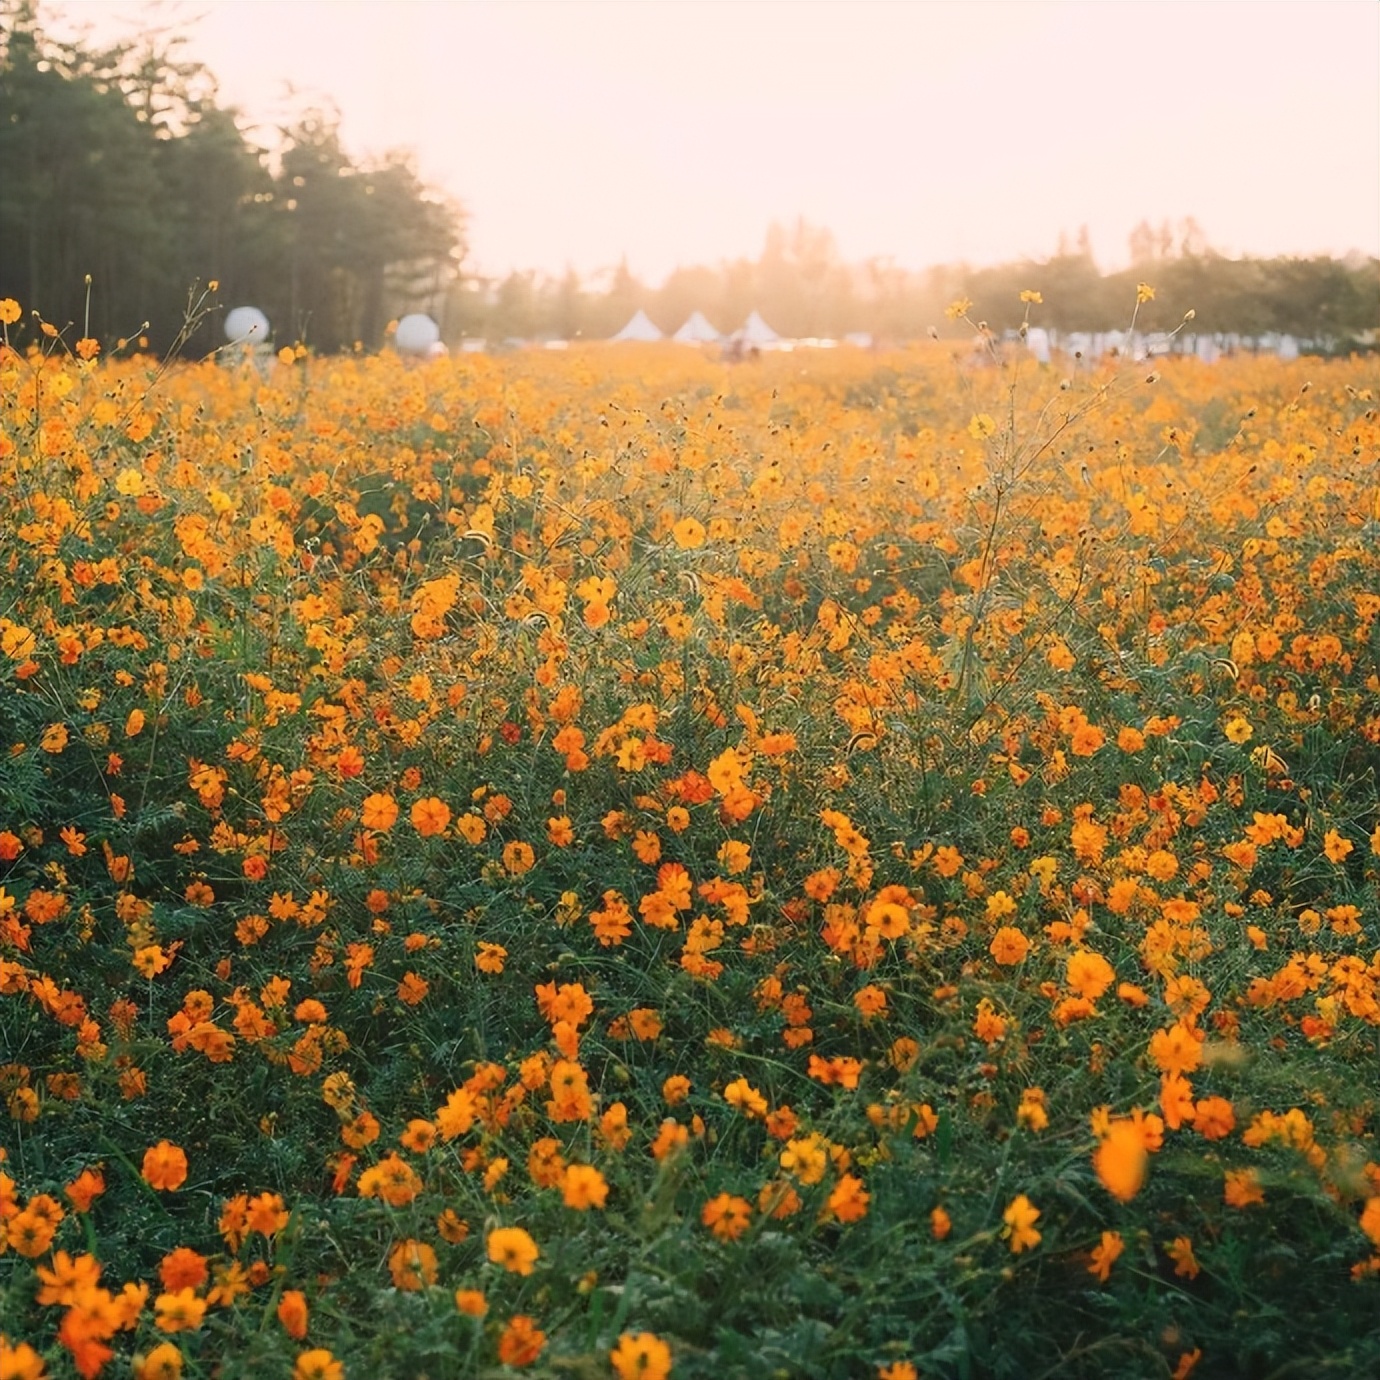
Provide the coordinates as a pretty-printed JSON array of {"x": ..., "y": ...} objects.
[
  {"x": 756, "y": 332},
  {"x": 641, "y": 327},
  {"x": 696, "y": 331}
]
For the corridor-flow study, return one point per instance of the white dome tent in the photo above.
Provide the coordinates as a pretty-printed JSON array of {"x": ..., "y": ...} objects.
[
  {"x": 697, "y": 331},
  {"x": 756, "y": 332},
  {"x": 641, "y": 327}
]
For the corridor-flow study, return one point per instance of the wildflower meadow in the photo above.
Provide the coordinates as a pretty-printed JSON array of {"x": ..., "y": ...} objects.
[{"x": 616, "y": 864}]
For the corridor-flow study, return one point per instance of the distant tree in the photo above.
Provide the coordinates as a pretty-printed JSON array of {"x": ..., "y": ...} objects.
[
  {"x": 566, "y": 316},
  {"x": 515, "y": 311},
  {"x": 624, "y": 295},
  {"x": 688, "y": 290},
  {"x": 79, "y": 188},
  {"x": 361, "y": 243}
]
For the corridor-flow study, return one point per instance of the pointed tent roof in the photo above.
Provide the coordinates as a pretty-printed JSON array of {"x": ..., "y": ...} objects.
[
  {"x": 756, "y": 331},
  {"x": 696, "y": 331},
  {"x": 641, "y": 327}
]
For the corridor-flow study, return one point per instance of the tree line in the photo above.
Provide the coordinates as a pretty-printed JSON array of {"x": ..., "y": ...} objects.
[
  {"x": 124, "y": 182},
  {"x": 803, "y": 288}
]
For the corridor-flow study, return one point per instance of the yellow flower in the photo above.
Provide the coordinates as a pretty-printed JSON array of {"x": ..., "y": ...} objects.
[
  {"x": 180, "y": 1311},
  {"x": 981, "y": 426},
  {"x": 1144, "y": 293},
  {"x": 688, "y": 533},
  {"x": 1237, "y": 730}
]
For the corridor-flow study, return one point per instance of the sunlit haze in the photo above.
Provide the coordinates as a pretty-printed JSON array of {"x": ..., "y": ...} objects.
[{"x": 577, "y": 133}]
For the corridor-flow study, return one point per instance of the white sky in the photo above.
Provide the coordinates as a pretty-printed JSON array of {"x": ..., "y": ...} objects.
[{"x": 674, "y": 132}]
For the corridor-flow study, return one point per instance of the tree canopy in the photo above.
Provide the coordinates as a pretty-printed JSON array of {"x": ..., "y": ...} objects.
[{"x": 120, "y": 163}]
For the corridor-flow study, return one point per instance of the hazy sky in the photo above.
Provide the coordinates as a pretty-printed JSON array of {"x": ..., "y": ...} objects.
[{"x": 575, "y": 132}]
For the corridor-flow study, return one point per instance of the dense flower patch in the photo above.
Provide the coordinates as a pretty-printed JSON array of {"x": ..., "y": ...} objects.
[{"x": 617, "y": 864}]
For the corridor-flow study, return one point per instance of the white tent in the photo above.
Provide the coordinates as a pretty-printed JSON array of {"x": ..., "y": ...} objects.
[
  {"x": 641, "y": 327},
  {"x": 755, "y": 331},
  {"x": 696, "y": 331}
]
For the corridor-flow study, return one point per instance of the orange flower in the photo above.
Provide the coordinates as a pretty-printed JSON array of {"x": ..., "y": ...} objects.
[
  {"x": 266, "y": 1214},
  {"x": 1336, "y": 847},
  {"x": 453, "y": 1228},
  {"x": 514, "y": 1249},
  {"x": 1241, "y": 1188},
  {"x": 360, "y": 1130},
  {"x": 293, "y": 1314},
  {"x": 163, "y": 1362},
  {"x": 180, "y": 1311},
  {"x": 584, "y": 1187},
  {"x": 89, "y": 1184},
  {"x": 727, "y": 1216},
  {"x": 317, "y": 1364},
  {"x": 849, "y": 1199},
  {"x": 1180, "y": 1251},
  {"x": 471, "y": 1302},
  {"x": 641, "y": 1356},
  {"x": 545, "y": 1163},
  {"x": 518, "y": 858},
  {"x": 1020, "y": 1218},
  {"x": 165, "y": 1167},
  {"x": 988, "y": 1026},
  {"x": 430, "y": 816},
  {"x": 521, "y": 1343},
  {"x": 412, "y": 1265},
  {"x": 183, "y": 1268},
  {"x": 68, "y": 1279},
  {"x": 675, "y": 1089},
  {"x": 1120, "y": 1160},
  {"x": 1105, "y": 1255},
  {"x": 457, "y": 1116},
  {"x": 392, "y": 1179},
  {"x": 1088, "y": 974},
  {"x": 378, "y": 812},
  {"x": 412, "y": 990},
  {"x": 1177, "y": 1049},
  {"x": 1214, "y": 1118},
  {"x": 1087, "y": 740},
  {"x": 1009, "y": 946}
]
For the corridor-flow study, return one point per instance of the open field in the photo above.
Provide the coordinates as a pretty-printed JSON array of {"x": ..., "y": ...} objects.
[{"x": 606, "y": 862}]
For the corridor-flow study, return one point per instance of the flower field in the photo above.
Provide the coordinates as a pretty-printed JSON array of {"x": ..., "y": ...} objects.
[{"x": 616, "y": 864}]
